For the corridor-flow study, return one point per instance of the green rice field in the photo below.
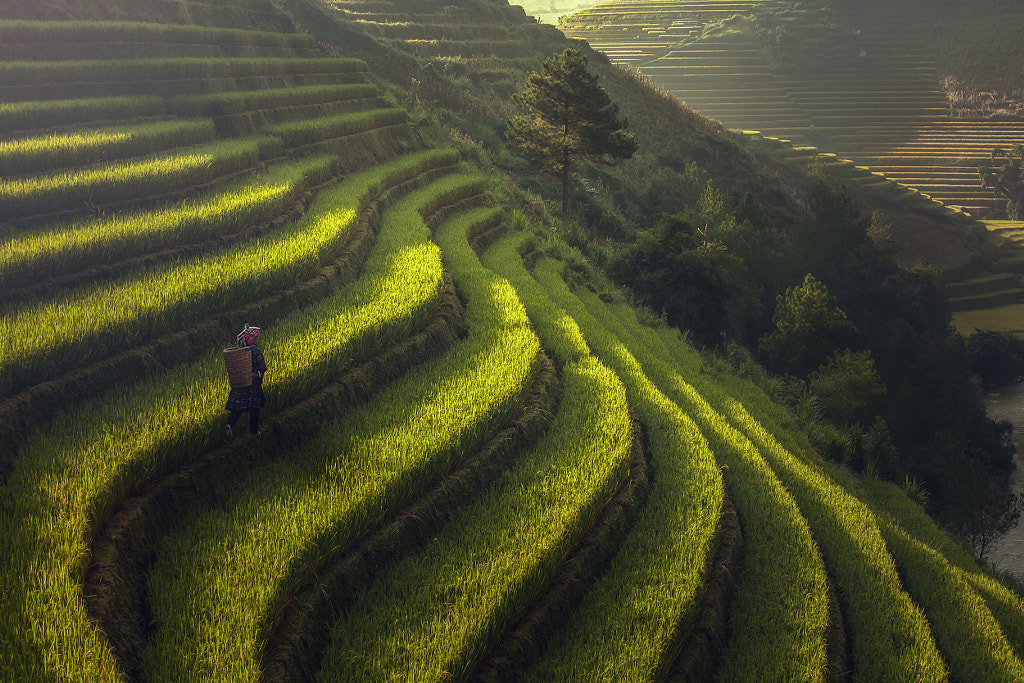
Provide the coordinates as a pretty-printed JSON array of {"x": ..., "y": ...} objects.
[{"x": 476, "y": 459}]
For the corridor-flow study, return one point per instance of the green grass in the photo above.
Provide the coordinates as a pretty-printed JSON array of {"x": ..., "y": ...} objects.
[
  {"x": 70, "y": 476},
  {"x": 55, "y": 113},
  {"x": 652, "y": 586},
  {"x": 907, "y": 517},
  {"x": 437, "y": 611},
  {"x": 100, "y": 71},
  {"x": 433, "y": 614},
  {"x": 81, "y": 147},
  {"x": 237, "y": 102},
  {"x": 48, "y": 337},
  {"x": 558, "y": 331},
  {"x": 128, "y": 31},
  {"x": 889, "y": 635},
  {"x": 285, "y": 520},
  {"x": 133, "y": 178},
  {"x": 966, "y": 631},
  {"x": 308, "y": 131},
  {"x": 35, "y": 255},
  {"x": 782, "y": 586}
]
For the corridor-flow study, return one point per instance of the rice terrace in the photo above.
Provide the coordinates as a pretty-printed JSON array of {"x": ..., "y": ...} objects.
[{"x": 685, "y": 385}]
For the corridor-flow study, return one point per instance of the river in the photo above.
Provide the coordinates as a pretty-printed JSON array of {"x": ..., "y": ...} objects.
[{"x": 1008, "y": 404}]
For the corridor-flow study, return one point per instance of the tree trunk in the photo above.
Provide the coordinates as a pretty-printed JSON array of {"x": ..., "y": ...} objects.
[{"x": 565, "y": 183}]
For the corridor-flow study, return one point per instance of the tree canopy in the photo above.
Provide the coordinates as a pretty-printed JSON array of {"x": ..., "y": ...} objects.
[
  {"x": 568, "y": 115},
  {"x": 809, "y": 327},
  {"x": 1007, "y": 179}
]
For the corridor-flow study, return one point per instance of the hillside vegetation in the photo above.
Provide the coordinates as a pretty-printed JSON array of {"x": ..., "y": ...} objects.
[{"x": 479, "y": 460}]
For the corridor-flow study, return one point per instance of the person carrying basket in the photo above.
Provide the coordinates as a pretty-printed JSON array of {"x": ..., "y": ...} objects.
[{"x": 246, "y": 389}]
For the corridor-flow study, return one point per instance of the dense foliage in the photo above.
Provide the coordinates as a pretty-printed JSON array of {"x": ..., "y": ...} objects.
[
  {"x": 869, "y": 340},
  {"x": 1006, "y": 179}
]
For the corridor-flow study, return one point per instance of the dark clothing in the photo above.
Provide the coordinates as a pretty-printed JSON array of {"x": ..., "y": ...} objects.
[
  {"x": 249, "y": 398},
  {"x": 254, "y": 419}
]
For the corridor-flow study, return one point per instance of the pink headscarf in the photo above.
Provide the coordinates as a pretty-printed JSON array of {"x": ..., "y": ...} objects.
[{"x": 247, "y": 337}]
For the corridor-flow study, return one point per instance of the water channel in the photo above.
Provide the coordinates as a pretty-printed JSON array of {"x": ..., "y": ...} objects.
[{"x": 1008, "y": 404}]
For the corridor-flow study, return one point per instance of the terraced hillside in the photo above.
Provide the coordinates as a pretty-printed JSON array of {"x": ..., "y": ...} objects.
[
  {"x": 994, "y": 301},
  {"x": 486, "y": 46},
  {"x": 867, "y": 88},
  {"x": 475, "y": 462}
]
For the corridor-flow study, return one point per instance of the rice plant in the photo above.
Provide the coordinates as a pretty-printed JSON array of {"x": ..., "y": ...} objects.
[
  {"x": 92, "y": 71},
  {"x": 34, "y": 255},
  {"x": 965, "y": 630},
  {"x": 889, "y": 635},
  {"x": 651, "y": 587},
  {"x": 131, "y": 179},
  {"x": 50, "y": 336},
  {"x": 306, "y": 131},
  {"x": 435, "y": 613},
  {"x": 71, "y": 475},
  {"x": 782, "y": 587},
  {"x": 289, "y": 517},
  {"x": 236, "y": 102},
  {"x": 25, "y": 31},
  {"x": 81, "y": 147},
  {"x": 56, "y": 113}
]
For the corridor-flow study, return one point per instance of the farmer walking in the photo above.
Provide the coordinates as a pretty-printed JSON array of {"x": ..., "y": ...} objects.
[{"x": 250, "y": 398}]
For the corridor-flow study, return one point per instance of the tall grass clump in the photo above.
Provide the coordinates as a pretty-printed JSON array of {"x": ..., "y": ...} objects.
[
  {"x": 965, "y": 630},
  {"x": 130, "y": 179},
  {"x": 285, "y": 520},
  {"x": 42, "y": 339},
  {"x": 34, "y": 255},
  {"x": 81, "y": 147},
  {"x": 436, "y": 612},
  {"x": 558, "y": 331},
  {"x": 919, "y": 533},
  {"x": 69, "y": 477}
]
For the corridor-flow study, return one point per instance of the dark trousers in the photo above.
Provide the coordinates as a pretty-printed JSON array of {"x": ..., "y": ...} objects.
[{"x": 254, "y": 419}]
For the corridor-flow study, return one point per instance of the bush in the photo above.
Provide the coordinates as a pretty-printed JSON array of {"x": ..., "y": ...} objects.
[{"x": 996, "y": 357}]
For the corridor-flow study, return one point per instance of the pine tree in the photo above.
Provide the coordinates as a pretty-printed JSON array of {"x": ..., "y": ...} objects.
[{"x": 568, "y": 115}]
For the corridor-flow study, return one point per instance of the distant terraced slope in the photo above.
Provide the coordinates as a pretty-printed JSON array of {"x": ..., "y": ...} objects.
[{"x": 871, "y": 95}]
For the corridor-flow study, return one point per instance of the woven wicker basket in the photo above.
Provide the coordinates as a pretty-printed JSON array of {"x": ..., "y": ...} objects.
[{"x": 239, "y": 362}]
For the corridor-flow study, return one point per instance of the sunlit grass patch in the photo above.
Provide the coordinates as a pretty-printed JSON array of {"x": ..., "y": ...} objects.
[
  {"x": 85, "y": 146},
  {"x": 34, "y": 255},
  {"x": 651, "y": 588},
  {"x": 130, "y": 179},
  {"x": 46, "y": 337},
  {"x": 306, "y": 131},
  {"x": 286, "y": 518},
  {"x": 71, "y": 475}
]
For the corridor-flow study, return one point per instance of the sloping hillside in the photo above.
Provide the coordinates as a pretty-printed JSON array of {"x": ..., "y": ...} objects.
[
  {"x": 867, "y": 83},
  {"x": 475, "y": 460}
]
